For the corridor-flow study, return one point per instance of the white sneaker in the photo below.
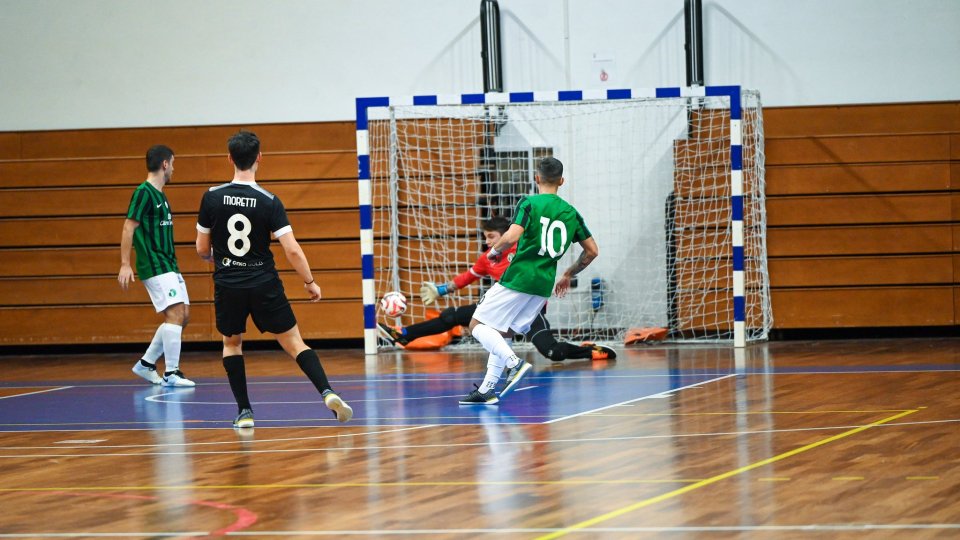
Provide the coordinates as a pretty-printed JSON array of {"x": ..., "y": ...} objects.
[
  {"x": 148, "y": 373},
  {"x": 177, "y": 379},
  {"x": 340, "y": 409}
]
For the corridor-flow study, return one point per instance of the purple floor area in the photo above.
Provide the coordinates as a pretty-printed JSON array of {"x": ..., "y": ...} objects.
[{"x": 396, "y": 400}]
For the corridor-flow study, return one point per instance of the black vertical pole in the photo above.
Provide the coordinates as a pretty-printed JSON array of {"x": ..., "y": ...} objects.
[
  {"x": 492, "y": 82},
  {"x": 693, "y": 30},
  {"x": 490, "y": 43}
]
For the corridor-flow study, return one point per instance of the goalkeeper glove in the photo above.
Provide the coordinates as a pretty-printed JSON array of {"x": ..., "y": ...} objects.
[{"x": 430, "y": 292}]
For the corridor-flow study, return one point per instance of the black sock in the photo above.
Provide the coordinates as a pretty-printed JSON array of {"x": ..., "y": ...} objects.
[
  {"x": 237, "y": 375},
  {"x": 310, "y": 364},
  {"x": 146, "y": 364},
  {"x": 427, "y": 328}
]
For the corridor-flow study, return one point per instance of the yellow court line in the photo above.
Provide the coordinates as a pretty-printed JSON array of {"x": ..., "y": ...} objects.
[
  {"x": 923, "y": 478},
  {"x": 845, "y": 478},
  {"x": 686, "y": 489},
  {"x": 357, "y": 484}
]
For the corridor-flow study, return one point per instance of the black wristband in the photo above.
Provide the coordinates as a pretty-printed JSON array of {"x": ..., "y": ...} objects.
[{"x": 309, "y": 282}]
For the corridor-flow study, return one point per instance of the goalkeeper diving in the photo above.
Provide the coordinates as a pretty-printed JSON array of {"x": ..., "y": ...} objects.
[{"x": 539, "y": 334}]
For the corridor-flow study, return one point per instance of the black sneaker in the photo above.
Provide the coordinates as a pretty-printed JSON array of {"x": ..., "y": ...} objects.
[
  {"x": 391, "y": 335},
  {"x": 244, "y": 419},
  {"x": 476, "y": 398},
  {"x": 599, "y": 352},
  {"x": 513, "y": 377}
]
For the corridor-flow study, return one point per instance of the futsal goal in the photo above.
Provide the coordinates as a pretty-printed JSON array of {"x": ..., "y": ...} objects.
[{"x": 670, "y": 181}]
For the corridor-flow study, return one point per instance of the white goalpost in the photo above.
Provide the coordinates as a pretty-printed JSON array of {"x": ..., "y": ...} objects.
[{"x": 670, "y": 182}]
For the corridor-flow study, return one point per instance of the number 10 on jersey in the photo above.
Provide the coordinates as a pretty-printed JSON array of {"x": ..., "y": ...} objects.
[{"x": 547, "y": 229}]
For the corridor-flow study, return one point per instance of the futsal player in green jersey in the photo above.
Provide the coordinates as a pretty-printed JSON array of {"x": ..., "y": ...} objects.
[
  {"x": 149, "y": 229},
  {"x": 544, "y": 226}
]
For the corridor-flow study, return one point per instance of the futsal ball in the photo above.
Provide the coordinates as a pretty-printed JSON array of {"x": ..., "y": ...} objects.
[{"x": 393, "y": 304}]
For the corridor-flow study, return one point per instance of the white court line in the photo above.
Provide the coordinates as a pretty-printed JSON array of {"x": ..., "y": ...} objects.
[
  {"x": 587, "y": 375},
  {"x": 156, "y": 399},
  {"x": 651, "y": 396},
  {"x": 286, "y": 439},
  {"x": 484, "y": 444},
  {"x": 731, "y": 528},
  {"x": 37, "y": 392}
]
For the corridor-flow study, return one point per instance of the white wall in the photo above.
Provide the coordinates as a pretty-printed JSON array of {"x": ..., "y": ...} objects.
[{"x": 116, "y": 63}]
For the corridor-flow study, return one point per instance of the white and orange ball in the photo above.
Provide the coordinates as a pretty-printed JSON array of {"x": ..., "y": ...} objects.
[{"x": 393, "y": 304}]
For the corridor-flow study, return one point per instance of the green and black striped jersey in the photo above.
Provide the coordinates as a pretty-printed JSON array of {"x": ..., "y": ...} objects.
[{"x": 153, "y": 239}]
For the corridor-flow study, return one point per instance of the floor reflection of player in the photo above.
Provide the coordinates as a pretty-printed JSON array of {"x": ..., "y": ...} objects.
[{"x": 163, "y": 416}]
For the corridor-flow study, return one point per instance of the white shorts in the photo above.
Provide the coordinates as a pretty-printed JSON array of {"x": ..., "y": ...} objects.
[
  {"x": 502, "y": 309},
  {"x": 166, "y": 290}
]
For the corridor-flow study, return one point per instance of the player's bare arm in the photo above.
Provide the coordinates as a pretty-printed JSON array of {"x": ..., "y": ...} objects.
[
  {"x": 590, "y": 252},
  {"x": 203, "y": 246},
  {"x": 126, "y": 275},
  {"x": 294, "y": 254},
  {"x": 507, "y": 241}
]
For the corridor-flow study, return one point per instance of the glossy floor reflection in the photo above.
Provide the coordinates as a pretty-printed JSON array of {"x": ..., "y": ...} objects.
[{"x": 846, "y": 439}]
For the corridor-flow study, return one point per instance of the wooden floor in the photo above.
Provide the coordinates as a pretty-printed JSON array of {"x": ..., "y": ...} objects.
[{"x": 842, "y": 439}]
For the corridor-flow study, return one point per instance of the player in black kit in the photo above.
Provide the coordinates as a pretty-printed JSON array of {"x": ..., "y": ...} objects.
[{"x": 238, "y": 219}]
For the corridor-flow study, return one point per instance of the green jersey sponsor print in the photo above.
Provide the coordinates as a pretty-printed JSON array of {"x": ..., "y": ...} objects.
[
  {"x": 153, "y": 239},
  {"x": 550, "y": 224}
]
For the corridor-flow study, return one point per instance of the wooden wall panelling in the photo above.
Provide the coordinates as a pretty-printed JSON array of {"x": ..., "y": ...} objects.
[
  {"x": 864, "y": 307},
  {"x": 855, "y": 209},
  {"x": 709, "y": 310},
  {"x": 856, "y": 178},
  {"x": 92, "y": 231},
  {"x": 871, "y": 270},
  {"x": 861, "y": 119},
  {"x": 9, "y": 146},
  {"x": 130, "y": 171},
  {"x": 93, "y": 290},
  {"x": 857, "y": 149},
  {"x": 105, "y": 261},
  {"x": 184, "y": 140},
  {"x": 333, "y": 319},
  {"x": 858, "y": 240},
  {"x": 88, "y": 201}
]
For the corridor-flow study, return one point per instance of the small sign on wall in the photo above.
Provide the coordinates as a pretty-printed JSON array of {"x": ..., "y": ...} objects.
[{"x": 604, "y": 67}]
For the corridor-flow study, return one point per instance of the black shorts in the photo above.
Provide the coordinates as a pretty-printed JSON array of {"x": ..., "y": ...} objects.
[{"x": 267, "y": 304}]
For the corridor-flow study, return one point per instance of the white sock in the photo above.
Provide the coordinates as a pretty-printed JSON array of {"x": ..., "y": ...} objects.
[
  {"x": 494, "y": 369},
  {"x": 156, "y": 347},
  {"x": 171, "y": 345},
  {"x": 501, "y": 355}
]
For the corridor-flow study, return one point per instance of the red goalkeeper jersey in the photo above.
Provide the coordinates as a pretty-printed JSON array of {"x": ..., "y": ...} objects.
[{"x": 485, "y": 267}]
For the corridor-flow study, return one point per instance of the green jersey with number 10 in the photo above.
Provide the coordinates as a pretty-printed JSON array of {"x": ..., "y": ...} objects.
[{"x": 550, "y": 224}]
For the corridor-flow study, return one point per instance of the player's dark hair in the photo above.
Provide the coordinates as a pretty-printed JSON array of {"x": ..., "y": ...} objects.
[
  {"x": 496, "y": 223},
  {"x": 550, "y": 169},
  {"x": 156, "y": 155},
  {"x": 244, "y": 148}
]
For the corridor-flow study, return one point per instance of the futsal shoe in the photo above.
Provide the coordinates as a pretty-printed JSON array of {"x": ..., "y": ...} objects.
[
  {"x": 176, "y": 378},
  {"x": 148, "y": 373},
  {"x": 599, "y": 352},
  {"x": 513, "y": 377},
  {"x": 476, "y": 398},
  {"x": 244, "y": 419},
  {"x": 392, "y": 335},
  {"x": 340, "y": 409}
]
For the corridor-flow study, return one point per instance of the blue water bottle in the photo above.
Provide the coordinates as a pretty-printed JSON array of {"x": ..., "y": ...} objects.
[{"x": 597, "y": 287}]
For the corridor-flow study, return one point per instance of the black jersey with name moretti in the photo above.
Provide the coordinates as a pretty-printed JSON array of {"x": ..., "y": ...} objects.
[{"x": 240, "y": 217}]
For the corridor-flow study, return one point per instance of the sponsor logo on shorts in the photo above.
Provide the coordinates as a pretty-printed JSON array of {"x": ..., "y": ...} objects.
[{"x": 172, "y": 293}]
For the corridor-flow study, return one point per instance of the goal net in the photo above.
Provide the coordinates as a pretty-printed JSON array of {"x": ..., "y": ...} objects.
[{"x": 672, "y": 189}]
